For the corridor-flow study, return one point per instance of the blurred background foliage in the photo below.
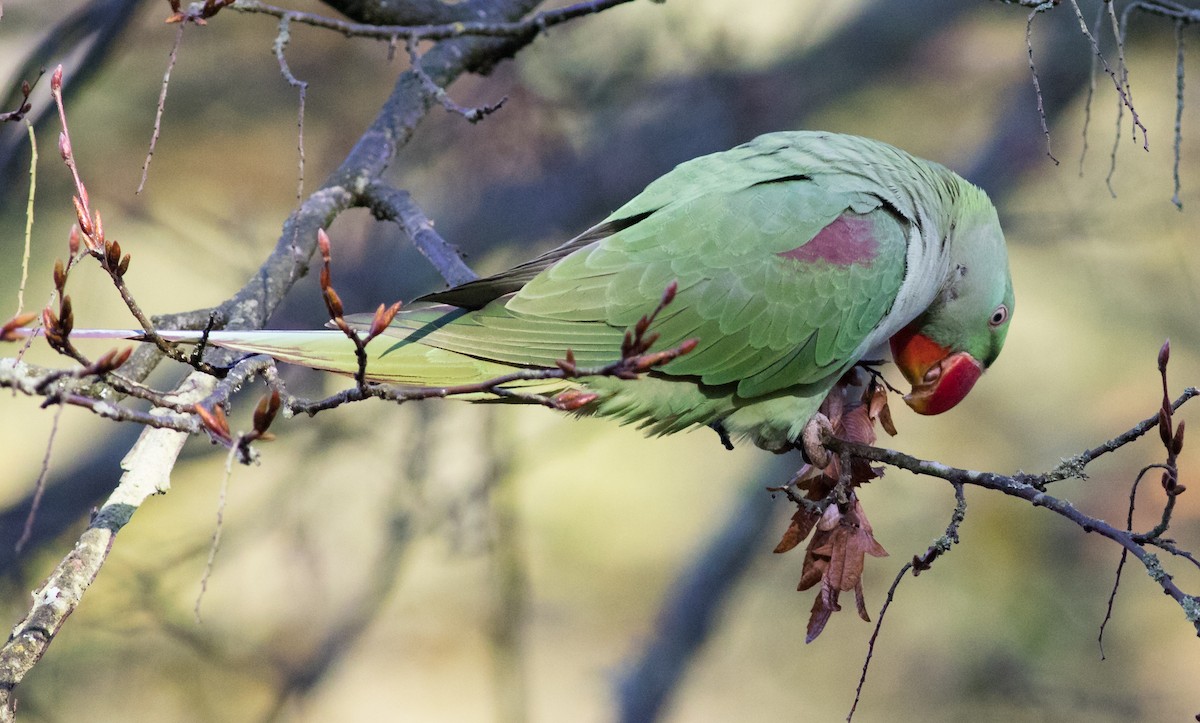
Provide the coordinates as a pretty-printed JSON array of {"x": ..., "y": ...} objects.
[{"x": 444, "y": 562}]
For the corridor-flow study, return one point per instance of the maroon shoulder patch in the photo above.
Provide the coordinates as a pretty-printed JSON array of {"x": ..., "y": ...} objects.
[{"x": 847, "y": 241}]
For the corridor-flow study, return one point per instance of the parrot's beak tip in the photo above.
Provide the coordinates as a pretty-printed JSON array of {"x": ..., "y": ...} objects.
[
  {"x": 958, "y": 374},
  {"x": 940, "y": 377}
]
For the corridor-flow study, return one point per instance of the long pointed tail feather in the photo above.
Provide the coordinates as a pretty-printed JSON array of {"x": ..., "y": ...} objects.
[{"x": 392, "y": 358}]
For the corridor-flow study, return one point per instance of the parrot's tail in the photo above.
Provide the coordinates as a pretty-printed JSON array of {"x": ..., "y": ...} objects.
[{"x": 395, "y": 357}]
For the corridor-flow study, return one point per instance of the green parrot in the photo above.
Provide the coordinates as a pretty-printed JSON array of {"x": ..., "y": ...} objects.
[{"x": 794, "y": 256}]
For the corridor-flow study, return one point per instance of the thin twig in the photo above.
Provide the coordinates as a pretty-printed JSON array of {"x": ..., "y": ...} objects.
[
  {"x": 1119, "y": 29},
  {"x": 162, "y": 105},
  {"x": 1112, "y": 596},
  {"x": 39, "y": 487},
  {"x": 33, "y": 160},
  {"x": 215, "y": 544},
  {"x": 918, "y": 564},
  {"x": 1037, "y": 86},
  {"x": 1072, "y": 467},
  {"x": 1091, "y": 90},
  {"x": 1032, "y": 489},
  {"x": 1175, "y": 199},
  {"x": 473, "y": 115},
  {"x": 281, "y": 42},
  {"x": 1120, "y": 83}
]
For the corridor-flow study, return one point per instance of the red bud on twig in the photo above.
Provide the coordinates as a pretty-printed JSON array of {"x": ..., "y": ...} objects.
[
  {"x": 669, "y": 295},
  {"x": 1177, "y": 444},
  {"x": 99, "y": 227},
  {"x": 66, "y": 320},
  {"x": 567, "y": 364},
  {"x": 112, "y": 255},
  {"x": 265, "y": 412},
  {"x": 215, "y": 421},
  {"x": 56, "y": 80},
  {"x": 110, "y": 361},
  {"x": 1164, "y": 355},
  {"x": 73, "y": 241},
  {"x": 383, "y": 319},
  {"x": 333, "y": 303},
  {"x": 323, "y": 244},
  {"x": 119, "y": 358},
  {"x": 49, "y": 320},
  {"x": 60, "y": 276},
  {"x": 10, "y": 326},
  {"x": 574, "y": 399},
  {"x": 81, "y": 217},
  {"x": 64, "y": 145}
]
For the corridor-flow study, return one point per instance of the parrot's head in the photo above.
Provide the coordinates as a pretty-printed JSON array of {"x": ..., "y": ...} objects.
[{"x": 945, "y": 350}]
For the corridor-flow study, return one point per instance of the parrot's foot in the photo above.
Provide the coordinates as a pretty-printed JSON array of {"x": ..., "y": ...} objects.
[
  {"x": 723, "y": 433},
  {"x": 812, "y": 441}
]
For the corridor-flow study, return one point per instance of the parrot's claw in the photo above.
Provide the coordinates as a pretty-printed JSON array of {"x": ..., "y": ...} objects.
[
  {"x": 812, "y": 440},
  {"x": 723, "y": 433}
]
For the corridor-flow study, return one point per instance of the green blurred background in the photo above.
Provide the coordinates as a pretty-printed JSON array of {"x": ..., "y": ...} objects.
[{"x": 440, "y": 561}]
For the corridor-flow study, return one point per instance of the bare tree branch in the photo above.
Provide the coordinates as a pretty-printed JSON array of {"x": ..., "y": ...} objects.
[{"x": 147, "y": 472}]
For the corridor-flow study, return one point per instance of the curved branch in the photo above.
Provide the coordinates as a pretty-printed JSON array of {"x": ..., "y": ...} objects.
[{"x": 1032, "y": 488}]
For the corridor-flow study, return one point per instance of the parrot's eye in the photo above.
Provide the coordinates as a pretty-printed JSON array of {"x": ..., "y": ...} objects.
[{"x": 999, "y": 316}]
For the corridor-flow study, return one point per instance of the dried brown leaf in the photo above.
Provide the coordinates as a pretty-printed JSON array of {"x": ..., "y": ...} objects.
[
  {"x": 802, "y": 524},
  {"x": 825, "y": 605},
  {"x": 860, "y": 603}
]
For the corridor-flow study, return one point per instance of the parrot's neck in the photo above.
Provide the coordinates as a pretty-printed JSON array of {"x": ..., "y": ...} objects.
[{"x": 927, "y": 265}]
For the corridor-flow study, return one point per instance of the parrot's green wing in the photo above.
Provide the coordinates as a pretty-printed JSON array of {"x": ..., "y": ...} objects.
[
  {"x": 781, "y": 277},
  {"x": 476, "y": 294}
]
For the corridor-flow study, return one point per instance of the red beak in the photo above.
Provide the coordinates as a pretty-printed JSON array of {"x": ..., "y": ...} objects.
[{"x": 940, "y": 379}]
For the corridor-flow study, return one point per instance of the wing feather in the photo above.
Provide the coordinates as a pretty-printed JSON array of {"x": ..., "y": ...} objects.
[{"x": 775, "y": 296}]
